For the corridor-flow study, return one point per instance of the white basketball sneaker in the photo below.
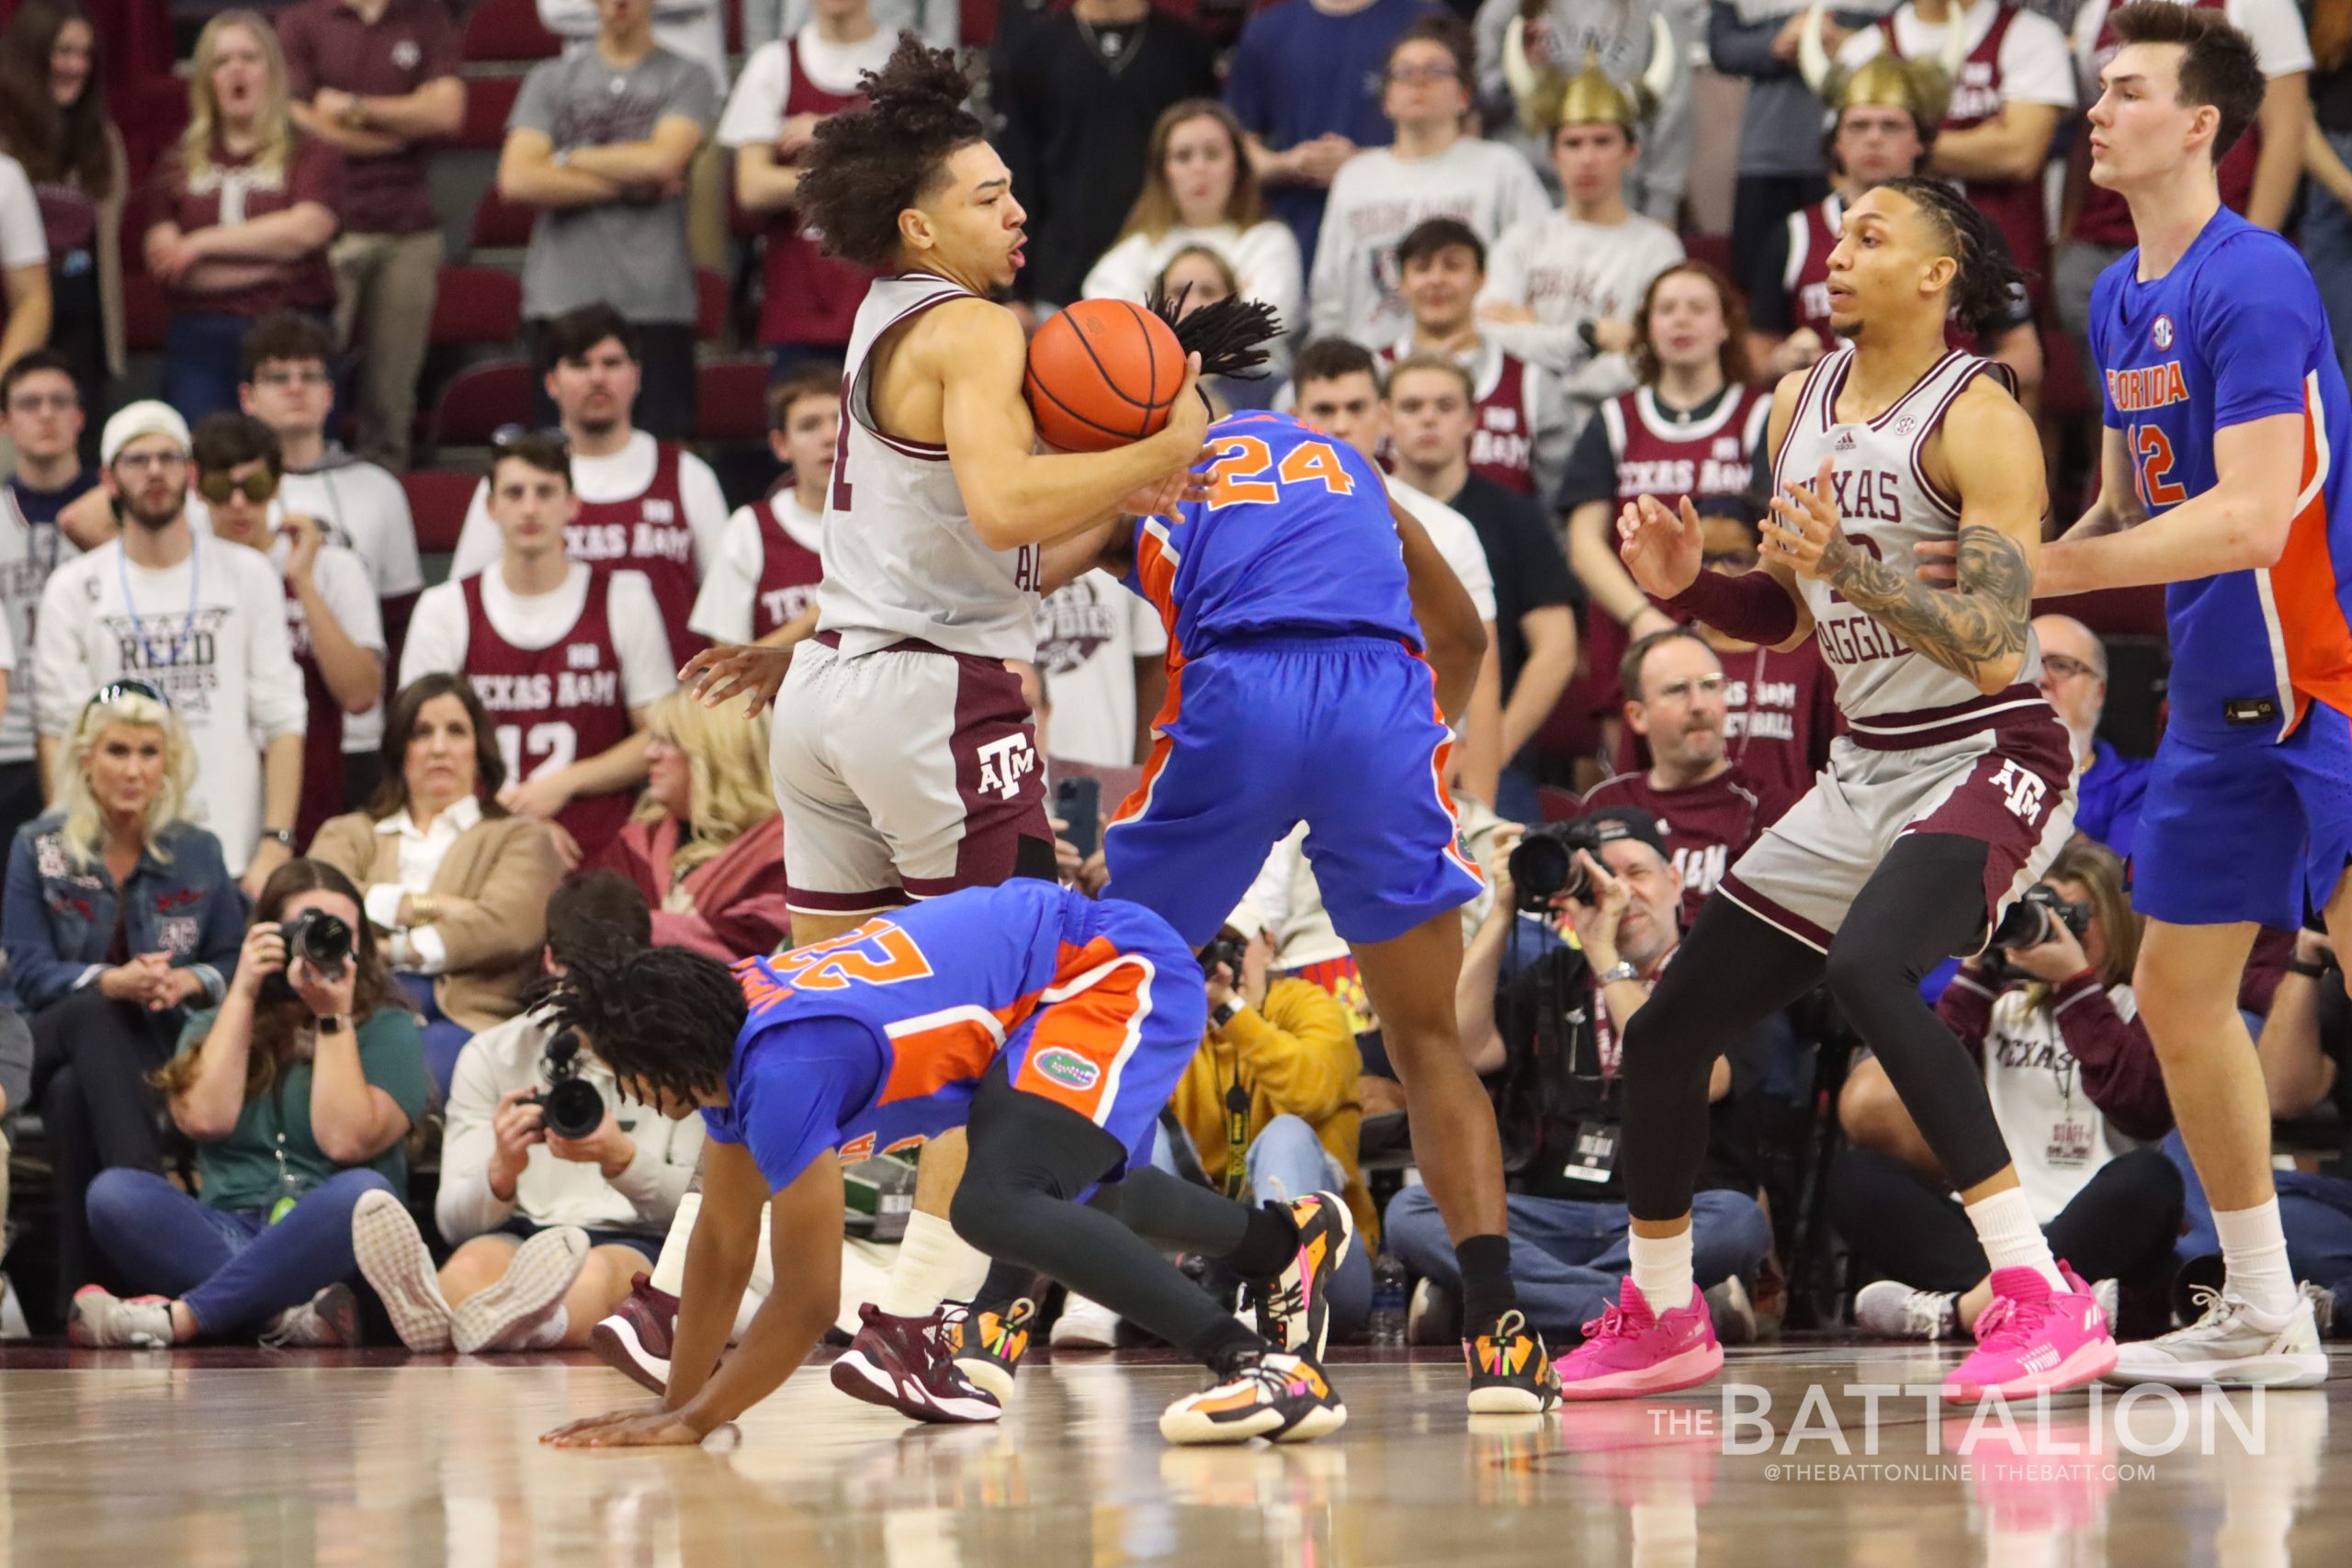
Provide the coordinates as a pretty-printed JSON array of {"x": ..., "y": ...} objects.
[{"x": 2228, "y": 1348}]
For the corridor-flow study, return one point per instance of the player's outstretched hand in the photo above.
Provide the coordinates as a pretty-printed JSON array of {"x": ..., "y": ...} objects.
[
  {"x": 1938, "y": 561},
  {"x": 1162, "y": 497},
  {"x": 1803, "y": 530},
  {"x": 730, "y": 668},
  {"x": 625, "y": 1429},
  {"x": 1663, "y": 551}
]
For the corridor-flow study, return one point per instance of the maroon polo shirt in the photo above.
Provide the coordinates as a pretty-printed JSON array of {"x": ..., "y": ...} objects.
[
  {"x": 313, "y": 172},
  {"x": 1708, "y": 826},
  {"x": 413, "y": 42}
]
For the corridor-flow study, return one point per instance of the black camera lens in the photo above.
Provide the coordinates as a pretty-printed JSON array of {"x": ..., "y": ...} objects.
[
  {"x": 324, "y": 941},
  {"x": 572, "y": 1109},
  {"x": 1543, "y": 865}
]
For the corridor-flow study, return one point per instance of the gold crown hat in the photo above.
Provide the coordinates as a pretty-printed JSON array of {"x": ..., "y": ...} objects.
[
  {"x": 1920, "y": 87},
  {"x": 1549, "y": 97}
]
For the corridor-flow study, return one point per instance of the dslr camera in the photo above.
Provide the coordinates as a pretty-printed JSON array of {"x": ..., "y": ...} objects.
[
  {"x": 2033, "y": 920},
  {"x": 1544, "y": 863},
  {"x": 320, "y": 940},
  {"x": 570, "y": 1106},
  {"x": 1226, "y": 948}
]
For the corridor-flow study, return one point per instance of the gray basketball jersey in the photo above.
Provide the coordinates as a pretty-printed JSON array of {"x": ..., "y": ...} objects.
[
  {"x": 901, "y": 559},
  {"x": 1888, "y": 505}
]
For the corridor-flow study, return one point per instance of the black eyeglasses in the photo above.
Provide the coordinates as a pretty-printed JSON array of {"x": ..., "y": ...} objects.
[
  {"x": 114, "y": 691},
  {"x": 507, "y": 435}
]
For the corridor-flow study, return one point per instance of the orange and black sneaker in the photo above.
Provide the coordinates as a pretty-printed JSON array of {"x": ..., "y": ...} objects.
[
  {"x": 1295, "y": 1307},
  {"x": 1262, "y": 1394},
  {"x": 1509, "y": 1372},
  {"x": 989, "y": 1346}
]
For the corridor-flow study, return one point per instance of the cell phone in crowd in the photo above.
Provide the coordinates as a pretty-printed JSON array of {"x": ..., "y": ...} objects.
[{"x": 1079, "y": 803}]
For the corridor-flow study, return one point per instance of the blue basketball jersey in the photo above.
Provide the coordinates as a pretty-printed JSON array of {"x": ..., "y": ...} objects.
[
  {"x": 2236, "y": 332},
  {"x": 1296, "y": 538},
  {"x": 875, "y": 1040}
]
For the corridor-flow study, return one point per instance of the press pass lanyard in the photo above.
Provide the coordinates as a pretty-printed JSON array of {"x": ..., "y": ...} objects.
[
  {"x": 1236, "y": 1133},
  {"x": 188, "y": 626}
]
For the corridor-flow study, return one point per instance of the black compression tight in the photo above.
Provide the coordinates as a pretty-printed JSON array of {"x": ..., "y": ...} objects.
[
  {"x": 1925, "y": 902},
  {"x": 1029, "y": 1160}
]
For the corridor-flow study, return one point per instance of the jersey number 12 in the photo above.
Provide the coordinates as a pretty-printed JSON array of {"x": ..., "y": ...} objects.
[{"x": 2152, "y": 467}]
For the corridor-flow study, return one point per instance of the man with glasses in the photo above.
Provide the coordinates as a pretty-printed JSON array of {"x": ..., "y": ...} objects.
[
  {"x": 330, "y": 617},
  {"x": 2108, "y": 785},
  {"x": 40, "y": 410},
  {"x": 198, "y": 621},
  {"x": 1432, "y": 170},
  {"x": 1676, "y": 700},
  {"x": 290, "y": 387}
]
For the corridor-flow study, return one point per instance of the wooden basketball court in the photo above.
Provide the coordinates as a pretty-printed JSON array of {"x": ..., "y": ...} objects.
[{"x": 230, "y": 1457}]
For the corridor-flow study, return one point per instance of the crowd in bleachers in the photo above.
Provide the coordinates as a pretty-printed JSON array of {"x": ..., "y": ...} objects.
[{"x": 281, "y": 286}]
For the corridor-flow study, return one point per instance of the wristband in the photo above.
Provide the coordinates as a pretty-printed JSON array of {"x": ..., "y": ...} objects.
[
  {"x": 1223, "y": 1014},
  {"x": 1752, "y": 606},
  {"x": 329, "y": 1023}
]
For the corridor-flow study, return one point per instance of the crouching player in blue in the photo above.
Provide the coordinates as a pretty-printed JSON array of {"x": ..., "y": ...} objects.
[{"x": 1053, "y": 1029}]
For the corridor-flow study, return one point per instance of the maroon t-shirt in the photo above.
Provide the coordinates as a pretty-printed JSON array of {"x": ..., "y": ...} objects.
[
  {"x": 413, "y": 42},
  {"x": 234, "y": 190},
  {"x": 1708, "y": 826}
]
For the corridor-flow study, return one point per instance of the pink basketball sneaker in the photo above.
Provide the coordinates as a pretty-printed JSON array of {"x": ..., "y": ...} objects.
[
  {"x": 1630, "y": 1350},
  {"x": 2033, "y": 1339}
]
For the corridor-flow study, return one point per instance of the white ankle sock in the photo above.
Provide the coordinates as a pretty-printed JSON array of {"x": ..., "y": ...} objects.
[
  {"x": 2254, "y": 1252},
  {"x": 934, "y": 1266},
  {"x": 550, "y": 1331},
  {"x": 2011, "y": 1239},
  {"x": 1662, "y": 1270}
]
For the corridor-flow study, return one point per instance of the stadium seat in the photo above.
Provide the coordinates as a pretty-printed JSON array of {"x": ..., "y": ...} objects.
[
  {"x": 710, "y": 304},
  {"x": 437, "y": 499},
  {"x": 477, "y": 305},
  {"x": 500, "y": 224},
  {"x": 489, "y": 100},
  {"x": 731, "y": 402},
  {"x": 479, "y": 399},
  {"x": 143, "y": 311},
  {"x": 509, "y": 29}
]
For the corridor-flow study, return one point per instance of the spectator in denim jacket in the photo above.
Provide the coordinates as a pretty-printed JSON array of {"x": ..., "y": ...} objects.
[{"x": 119, "y": 915}]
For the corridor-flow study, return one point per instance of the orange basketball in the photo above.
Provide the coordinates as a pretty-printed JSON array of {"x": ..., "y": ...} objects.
[{"x": 1102, "y": 374}]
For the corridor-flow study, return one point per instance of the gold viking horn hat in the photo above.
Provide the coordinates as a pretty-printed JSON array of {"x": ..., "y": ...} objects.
[
  {"x": 1920, "y": 87},
  {"x": 1549, "y": 97}
]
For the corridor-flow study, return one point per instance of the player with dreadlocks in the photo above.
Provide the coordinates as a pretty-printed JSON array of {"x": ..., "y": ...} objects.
[
  {"x": 1951, "y": 790},
  {"x": 905, "y": 760},
  {"x": 1057, "y": 1028}
]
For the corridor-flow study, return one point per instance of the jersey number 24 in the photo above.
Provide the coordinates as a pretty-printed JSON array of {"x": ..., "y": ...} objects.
[{"x": 1239, "y": 477}]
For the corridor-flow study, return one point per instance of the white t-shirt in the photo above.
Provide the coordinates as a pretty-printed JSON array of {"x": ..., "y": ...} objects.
[
  {"x": 2280, "y": 45},
  {"x": 1377, "y": 197},
  {"x": 210, "y": 632},
  {"x": 626, "y": 473},
  {"x": 364, "y": 509},
  {"x": 23, "y": 240},
  {"x": 438, "y": 631},
  {"x": 28, "y": 556},
  {"x": 1264, "y": 259},
  {"x": 1089, "y": 634},
  {"x": 1456, "y": 539},
  {"x": 754, "y": 111},
  {"x": 2035, "y": 68},
  {"x": 2059, "y": 1138},
  {"x": 722, "y": 609},
  {"x": 1565, "y": 272}
]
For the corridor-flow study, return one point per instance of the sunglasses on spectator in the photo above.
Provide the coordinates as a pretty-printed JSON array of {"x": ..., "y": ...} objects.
[
  {"x": 114, "y": 691},
  {"x": 2065, "y": 669},
  {"x": 219, "y": 485},
  {"x": 507, "y": 435}
]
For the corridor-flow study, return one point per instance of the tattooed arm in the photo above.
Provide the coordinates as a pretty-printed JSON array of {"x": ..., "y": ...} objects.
[{"x": 1979, "y": 630}]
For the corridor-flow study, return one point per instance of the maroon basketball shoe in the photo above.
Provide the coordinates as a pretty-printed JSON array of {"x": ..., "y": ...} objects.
[
  {"x": 908, "y": 1364},
  {"x": 635, "y": 1340}
]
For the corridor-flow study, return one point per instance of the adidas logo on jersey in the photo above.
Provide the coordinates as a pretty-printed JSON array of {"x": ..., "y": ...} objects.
[{"x": 1845, "y": 442}]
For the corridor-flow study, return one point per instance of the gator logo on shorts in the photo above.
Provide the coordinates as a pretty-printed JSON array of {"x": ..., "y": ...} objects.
[{"x": 1066, "y": 1068}]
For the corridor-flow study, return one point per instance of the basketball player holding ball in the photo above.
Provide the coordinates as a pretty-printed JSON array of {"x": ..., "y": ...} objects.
[{"x": 905, "y": 763}]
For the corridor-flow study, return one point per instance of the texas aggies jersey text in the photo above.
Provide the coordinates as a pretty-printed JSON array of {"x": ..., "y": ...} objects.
[
  {"x": 551, "y": 706},
  {"x": 790, "y": 566},
  {"x": 1504, "y": 412},
  {"x": 1888, "y": 505},
  {"x": 648, "y": 533},
  {"x": 902, "y": 557}
]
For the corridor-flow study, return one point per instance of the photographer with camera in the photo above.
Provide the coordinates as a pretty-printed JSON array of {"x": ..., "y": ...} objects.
[
  {"x": 556, "y": 1188},
  {"x": 2047, "y": 1010},
  {"x": 298, "y": 1090},
  {"x": 1550, "y": 1022}
]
